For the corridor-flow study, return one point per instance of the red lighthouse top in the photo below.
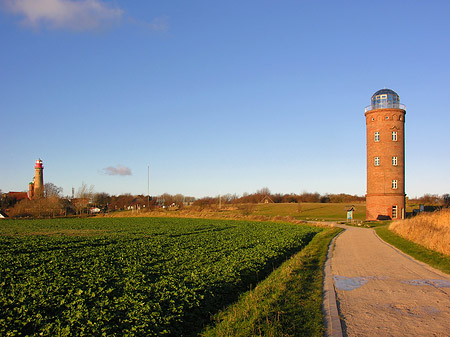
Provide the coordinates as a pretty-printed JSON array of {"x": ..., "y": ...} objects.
[{"x": 39, "y": 164}]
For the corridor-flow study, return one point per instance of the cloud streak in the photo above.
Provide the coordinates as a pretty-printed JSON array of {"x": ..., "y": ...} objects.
[
  {"x": 119, "y": 170},
  {"x": 160, "y": 24},
  {"x": 67, "y": 14}
]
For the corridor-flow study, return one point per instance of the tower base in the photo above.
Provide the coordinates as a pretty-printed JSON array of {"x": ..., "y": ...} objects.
[{"x": 385, "y": 207}]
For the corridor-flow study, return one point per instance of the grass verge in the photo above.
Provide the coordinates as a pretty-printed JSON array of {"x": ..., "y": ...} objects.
[
  {"x": 287, "y": 303},
  {"x": 430, "y": 257}
]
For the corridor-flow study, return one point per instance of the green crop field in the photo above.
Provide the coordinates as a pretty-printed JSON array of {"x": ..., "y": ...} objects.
[{"x": 132, "y": 276}]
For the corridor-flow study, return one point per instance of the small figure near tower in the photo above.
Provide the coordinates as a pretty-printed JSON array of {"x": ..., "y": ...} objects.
[
  {"x": 36, "y": 188},
  {"x": 385, "y": 122}
]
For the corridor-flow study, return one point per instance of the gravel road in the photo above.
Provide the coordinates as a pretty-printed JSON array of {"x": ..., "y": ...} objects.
[{"x": 383, "y": 292}]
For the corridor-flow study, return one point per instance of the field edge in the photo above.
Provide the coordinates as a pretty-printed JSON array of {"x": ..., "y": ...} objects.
[{"x": 287, "y": 303}]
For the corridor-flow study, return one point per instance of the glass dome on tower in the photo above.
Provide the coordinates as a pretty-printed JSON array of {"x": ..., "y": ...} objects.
[{"x": 385, "y": 99}]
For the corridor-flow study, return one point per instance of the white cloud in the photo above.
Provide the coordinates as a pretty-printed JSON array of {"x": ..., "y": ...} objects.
[
  {"x": 160, "y": 24},
  {"x": 117, "y": 171},
  {"x": 68, "y": 14}
]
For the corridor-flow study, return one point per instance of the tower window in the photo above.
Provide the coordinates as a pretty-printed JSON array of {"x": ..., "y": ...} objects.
[
  {"x": 400, "y": 118},
  {"x": 394, "y": 161},
  {"x": 394, "y": 184},
  {"x": 394, "y": 136},
  {"x": 387, "y": 117},
  {"x": 377, "y": 136},
  {"x": 376, "y": 161},
  {"x": 394, "y": 212}
]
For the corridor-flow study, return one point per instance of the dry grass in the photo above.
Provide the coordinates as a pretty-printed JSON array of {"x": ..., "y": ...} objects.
[
  {"x": 431, "y": 230},
  {"x": 311, "y": 213},
  {"x": 228, "y": 213}
]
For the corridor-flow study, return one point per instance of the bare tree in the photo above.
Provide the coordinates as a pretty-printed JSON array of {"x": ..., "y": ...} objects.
[
  {"x": 84, "y": 191},
  {"x": 179, "y": 200},
  {"x": 84, "y": 195},
  {"x": 263, "y": 191},
  {"x": 51, "y": 190},
  {"x": 102, "y": 199}
]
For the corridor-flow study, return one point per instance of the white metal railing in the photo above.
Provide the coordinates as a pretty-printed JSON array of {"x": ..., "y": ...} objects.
[{"x": 385, "y": 105}]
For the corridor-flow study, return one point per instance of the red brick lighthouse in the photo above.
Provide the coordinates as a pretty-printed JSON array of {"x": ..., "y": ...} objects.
[{"x": 385, "y": 122}]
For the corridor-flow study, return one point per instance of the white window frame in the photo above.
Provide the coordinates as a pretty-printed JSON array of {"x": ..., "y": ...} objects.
[
  {"x": 394, "y": 212},
  {"x": 376, "y": 136},
  {"x": 394, "y": 184},
  {"x": 376, "y": 161},
  {"x": 394, "y": 136},
  {"x": 394, "y": 161}
]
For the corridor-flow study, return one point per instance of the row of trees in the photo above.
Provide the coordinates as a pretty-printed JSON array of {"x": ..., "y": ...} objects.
[
  {"x": 44, "y": 207},
  {"x": 8, "y": 200},
  {"x": 264, "y": 195},
  {"x": 87, "y": 201},
  {"x": 432, "y": 199}
]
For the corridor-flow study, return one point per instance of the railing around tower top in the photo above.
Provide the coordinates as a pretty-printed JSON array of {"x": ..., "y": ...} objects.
[{"x": 385, "y": 105}]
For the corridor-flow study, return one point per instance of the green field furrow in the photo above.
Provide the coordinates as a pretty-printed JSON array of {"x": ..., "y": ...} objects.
[{"x": 132, "y": 276}]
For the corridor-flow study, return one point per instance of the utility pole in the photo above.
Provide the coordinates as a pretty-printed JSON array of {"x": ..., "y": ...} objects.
[{"x": 148, "y": 188}]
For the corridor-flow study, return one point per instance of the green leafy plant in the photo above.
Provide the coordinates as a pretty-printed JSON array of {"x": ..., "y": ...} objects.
[{"x": 132, "y": 276}]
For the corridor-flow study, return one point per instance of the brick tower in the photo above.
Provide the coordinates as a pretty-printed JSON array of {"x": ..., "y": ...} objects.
[
  {"x": 38, "y": 180},
  {"x": 385, "y": 122}
]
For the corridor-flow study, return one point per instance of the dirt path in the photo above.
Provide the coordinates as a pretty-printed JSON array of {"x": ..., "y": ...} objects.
[{"x": 382, "y": 292}]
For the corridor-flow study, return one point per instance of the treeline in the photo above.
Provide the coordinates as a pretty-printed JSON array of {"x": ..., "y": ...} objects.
[
  {"x": 298, "y": 198},
  {"x": 432, "y": 199},
  {"x": 44, "y": 207},
  {"x": 265, "y": 196},
  {"x": 88, "y": 203}
]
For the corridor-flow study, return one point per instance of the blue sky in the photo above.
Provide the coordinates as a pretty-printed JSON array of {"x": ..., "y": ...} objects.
[{"x": 218, "y": 97}]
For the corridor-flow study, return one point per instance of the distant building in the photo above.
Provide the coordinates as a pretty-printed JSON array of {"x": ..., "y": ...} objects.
[
  {"x": 18, "y": 195},
  {"x": 36, "y": 187},
  {"x": 385, "y": 122},
  {"x": 267, "y": 200}
]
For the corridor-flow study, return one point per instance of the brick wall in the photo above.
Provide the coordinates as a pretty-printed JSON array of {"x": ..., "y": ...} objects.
[{"x": 381, "y": 195}]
